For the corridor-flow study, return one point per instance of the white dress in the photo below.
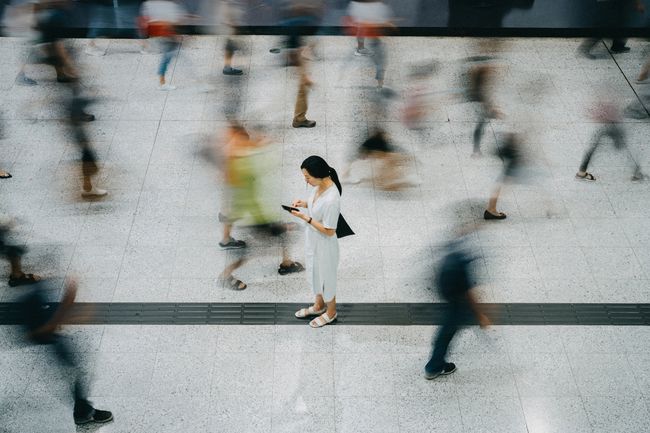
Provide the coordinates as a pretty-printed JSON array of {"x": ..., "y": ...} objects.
[{"x": 322, "y": 251}]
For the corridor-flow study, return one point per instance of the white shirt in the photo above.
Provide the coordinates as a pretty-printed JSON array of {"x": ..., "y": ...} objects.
[
  {"x": 369, "y": 12},
  {"x": 162, "y": 10}
]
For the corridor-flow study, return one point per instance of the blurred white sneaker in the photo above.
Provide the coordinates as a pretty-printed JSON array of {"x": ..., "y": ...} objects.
[
  {"x": 167, "y": 87},
  {"x": 95, "y": 192}
]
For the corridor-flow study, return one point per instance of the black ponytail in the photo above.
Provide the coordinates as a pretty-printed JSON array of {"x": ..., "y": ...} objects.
[
  {"x": 318, "y": 168},
  {"x": 335, "y": 178}
]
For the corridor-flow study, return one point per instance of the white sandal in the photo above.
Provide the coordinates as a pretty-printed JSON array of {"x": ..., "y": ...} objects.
[
  {"x": 322, "y": 320},
  {"x": 304, "y": 312}
]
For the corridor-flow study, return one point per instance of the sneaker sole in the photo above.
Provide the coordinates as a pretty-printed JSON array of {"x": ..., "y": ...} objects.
[
  {"x": 93, "y": 421},
  {"x": 431, "y": 377}
]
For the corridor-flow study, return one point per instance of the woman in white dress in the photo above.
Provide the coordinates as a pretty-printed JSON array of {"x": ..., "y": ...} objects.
[{"x": 321, "y": 244}]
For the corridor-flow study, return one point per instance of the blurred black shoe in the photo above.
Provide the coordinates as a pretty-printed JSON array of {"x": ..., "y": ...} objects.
[
  {"x": 98, "y": 416},
  {"x": 618, "y": 49},
  {"x": 304, "y": 123},
  {"x": 232, "y": 244},
  {"x": 449, "y": 368},
  {"x": 228, "y": 70}
]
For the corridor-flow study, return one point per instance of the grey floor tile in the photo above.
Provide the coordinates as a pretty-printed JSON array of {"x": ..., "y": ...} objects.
[
  {"x": 617, "y": 413},
  {"x": 140, "y": 289},
  {"x": 228, "y": 380},
  {"x": 555, "y": 415},
  {"x": 304, "y": 414},
  {"x": 170, "y": 414},
  {"x": 303, "y": 374},
  {"x": 533, "y": 339},
  {"x": 359, "y": 375},
  {"x": 123, "y": 374},
  {"x": 437, "y": 414},
  {"x": 362, "y": 339},
  {"x": 484, "y": 375},
  {"x": 130, "y": 338},
  {"x": 366, "y": 414},
  {"x": 590, "y": 339},
  {"x": 182, "y": 374},
  {"x": 602, "y": 374},
  {"x": 641, "y": 371},
  {"x": 188, "y": 338},
  {"x": 543, "y": 374},
  {"x": 242, "y": 415},
  {"x": 303, "y": 339},
  {"x": 489, "y": 414},
  {"x": 246, "y": 339}
]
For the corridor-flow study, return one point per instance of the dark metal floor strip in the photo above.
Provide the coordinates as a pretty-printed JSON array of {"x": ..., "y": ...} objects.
[{"x": 394, "y": 314}]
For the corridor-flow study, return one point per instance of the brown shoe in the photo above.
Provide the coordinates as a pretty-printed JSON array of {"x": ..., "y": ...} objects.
[{"x": 303, "y": 123}]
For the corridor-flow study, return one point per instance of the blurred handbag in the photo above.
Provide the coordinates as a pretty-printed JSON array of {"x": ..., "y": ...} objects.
[{"x": 342, "y": 228}]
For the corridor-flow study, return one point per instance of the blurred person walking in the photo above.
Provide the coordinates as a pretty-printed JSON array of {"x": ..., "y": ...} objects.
[
  {"x": 370, "y": 20},
  {"x": 161, "y": 18},
  {"x": 14, "y": 254},
  {"x": 321, "y": 244},
  {"x": 89, "y": 166},
  {"x": 608, "y": 115},
  {"x": 455, "y": 284},
  {"x": 243, "y": 171},
  {"x": 612, "y": 16},
  {"x": 41, "y": 321},
  {"x": 388, "y": 165},
  {"x": 510, "y": 151},
  {"x": 479, "y": 77}
]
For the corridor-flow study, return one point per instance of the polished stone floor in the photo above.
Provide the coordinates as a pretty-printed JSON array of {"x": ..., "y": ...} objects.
[{"x": 154, "y": 239}]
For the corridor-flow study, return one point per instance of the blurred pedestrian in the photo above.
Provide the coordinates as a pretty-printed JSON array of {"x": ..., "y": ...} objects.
[
  {"x": 41, "y": 321},
  {"x": 321, "y": 243},
  {"x": 417, "y": 103},
  {"x": 608, "y": 115},
  {"x": 510, "y": 151},
  {"x": 388, "y": 164},
  {"x": 14, "y": 254},
  {"x": 455, "y": 283},
  {"x": 231, "y": 12},
  {"x": 244, "y": 170},
  {"x": 162, "y": 18},
  {"x": 479, "y": 77},
  {"x": 612, "y": 16},
  {"x": 300, "y": 110},
  {"x": 52, "y": 17},
  {"x": 300, "y": 18},
  {"x": 89, "y": 163},
  {"x": 371, "y": 20}
]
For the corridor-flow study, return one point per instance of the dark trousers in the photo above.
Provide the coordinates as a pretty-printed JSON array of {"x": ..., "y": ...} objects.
[
  {"x": 455, "y": 315},
  {"x": 65, "y": 359},
  {"x": 63, "y": 356},
  {"x": 616, "y": 133}
]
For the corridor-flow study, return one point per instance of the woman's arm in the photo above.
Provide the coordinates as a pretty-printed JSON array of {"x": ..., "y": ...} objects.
[{"x": 316, "y": 224}]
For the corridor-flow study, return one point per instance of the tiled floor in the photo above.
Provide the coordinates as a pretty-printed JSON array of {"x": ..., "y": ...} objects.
[{"x": 154, "y": 238}]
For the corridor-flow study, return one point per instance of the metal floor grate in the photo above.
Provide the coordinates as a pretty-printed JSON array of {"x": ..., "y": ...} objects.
[{"x": 397, "y": 314}]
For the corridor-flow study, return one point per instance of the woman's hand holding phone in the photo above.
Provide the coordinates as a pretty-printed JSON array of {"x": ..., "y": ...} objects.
[{"x": 299, "y": 203}]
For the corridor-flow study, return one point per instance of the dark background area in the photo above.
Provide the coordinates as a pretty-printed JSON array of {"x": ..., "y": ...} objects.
[{"x": 413, "y": 17}]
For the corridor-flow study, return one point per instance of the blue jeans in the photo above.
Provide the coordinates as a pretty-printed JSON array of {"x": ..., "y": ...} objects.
[{"x": 169, "y": 46}]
